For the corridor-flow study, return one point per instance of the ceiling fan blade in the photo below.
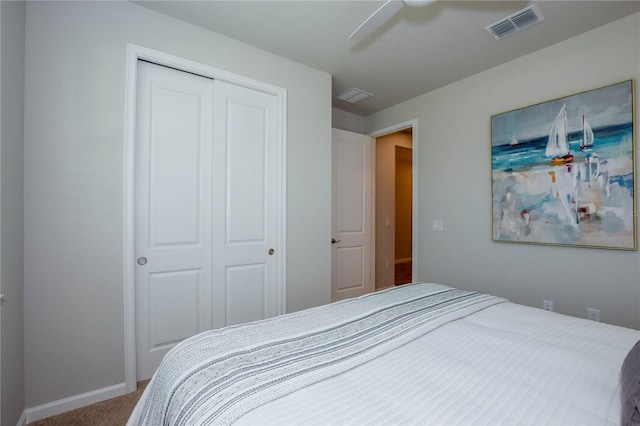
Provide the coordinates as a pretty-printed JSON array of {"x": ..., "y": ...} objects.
[
  {"x": 375, "y": 21},
  {"x": 419, "y": 3}
]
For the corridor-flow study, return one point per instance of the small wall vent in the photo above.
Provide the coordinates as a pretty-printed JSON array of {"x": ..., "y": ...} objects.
[{"x": 516, "y": 22}]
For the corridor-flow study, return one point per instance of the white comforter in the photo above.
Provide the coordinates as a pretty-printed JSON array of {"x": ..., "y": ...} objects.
[{"x": 499, "y": 364}]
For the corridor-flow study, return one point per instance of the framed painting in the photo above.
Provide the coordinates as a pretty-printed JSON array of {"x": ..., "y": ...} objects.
[{"x": 563, "y": 171}]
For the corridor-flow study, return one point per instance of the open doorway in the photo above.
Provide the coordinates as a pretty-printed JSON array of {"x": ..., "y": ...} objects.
[
  {"x": 394, "y": 208},
  {"x": 404, "y": 215}
]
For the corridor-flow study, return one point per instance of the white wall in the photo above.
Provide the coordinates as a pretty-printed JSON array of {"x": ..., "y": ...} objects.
[
  {"x": 350, "y": 122},
  {"x": 74, "y": 109},
  {"x": 11, "y": 201},
  {"x": 455, "y": 177}
]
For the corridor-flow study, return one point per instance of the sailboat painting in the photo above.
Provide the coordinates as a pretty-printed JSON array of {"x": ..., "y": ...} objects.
[{"x": 568, "y": 177}]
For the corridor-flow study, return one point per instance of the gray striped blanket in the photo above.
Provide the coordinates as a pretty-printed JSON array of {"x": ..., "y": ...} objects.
[{"x": 218, "y": 376}]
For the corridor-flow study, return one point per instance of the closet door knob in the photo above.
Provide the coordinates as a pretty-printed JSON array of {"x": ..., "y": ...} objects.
[
  {"x": 142, "y": 261},
  {"x": 271, "y": 251}
]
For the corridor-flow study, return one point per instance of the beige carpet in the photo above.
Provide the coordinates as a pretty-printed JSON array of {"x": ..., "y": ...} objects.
[{"x": 111, "y": 412}]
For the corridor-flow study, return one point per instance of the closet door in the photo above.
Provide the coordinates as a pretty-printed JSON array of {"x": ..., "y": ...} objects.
[
  {"x": 174, "y": 134},
  {"x": 209, "y": 225},
  {"x": 246, "y": 216}
]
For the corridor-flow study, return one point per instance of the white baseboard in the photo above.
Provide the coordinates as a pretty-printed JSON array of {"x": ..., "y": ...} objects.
[
  {"x": 71, "y": 403},
  {"x": 22, "y": 421}
]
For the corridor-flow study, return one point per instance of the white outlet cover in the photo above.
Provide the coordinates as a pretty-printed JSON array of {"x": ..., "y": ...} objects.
[
  {"x": 438, "y": 225},
  {"x": 593, "y": 314}
]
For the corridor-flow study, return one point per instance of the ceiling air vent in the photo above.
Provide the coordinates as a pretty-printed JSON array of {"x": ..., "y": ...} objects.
[
  {"x": 353, "y": 95},
  {"x": 512, "y": 23}
]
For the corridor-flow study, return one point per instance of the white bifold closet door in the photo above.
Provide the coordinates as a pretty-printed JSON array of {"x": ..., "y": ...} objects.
[{"x": 206, "y": 216}]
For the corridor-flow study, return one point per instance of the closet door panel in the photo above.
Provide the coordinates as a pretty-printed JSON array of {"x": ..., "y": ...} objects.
[
  {"x": 174, "y": 135},
  {"x": 245, "y": 224}
]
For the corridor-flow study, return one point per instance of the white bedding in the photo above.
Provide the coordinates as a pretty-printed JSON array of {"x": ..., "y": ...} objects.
[{"x": 502, "y": 364}]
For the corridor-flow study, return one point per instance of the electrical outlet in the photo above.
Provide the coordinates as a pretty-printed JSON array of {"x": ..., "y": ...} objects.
[
  {"x": 438, "y": 226},
  {"x": 547, "y": 305},
  {"x": 593, "y": 314}
]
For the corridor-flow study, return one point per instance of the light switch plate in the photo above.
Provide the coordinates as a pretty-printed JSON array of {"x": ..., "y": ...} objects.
[{"x": 438, "y": 225}]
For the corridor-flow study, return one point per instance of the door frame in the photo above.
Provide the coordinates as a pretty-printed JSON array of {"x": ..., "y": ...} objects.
[
  {"x": 413, "y": 124},
  {"x": 135, "y": 53}
]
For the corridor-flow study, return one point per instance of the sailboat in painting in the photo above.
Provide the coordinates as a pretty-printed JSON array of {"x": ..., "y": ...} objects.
[
  {"x": 558, "y": 144},
  {"x": 514, "y": 140},
  {"x": 587, "y": 136}
]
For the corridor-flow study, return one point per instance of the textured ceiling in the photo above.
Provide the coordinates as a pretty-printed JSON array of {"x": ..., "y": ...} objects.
[{"x": 418, "y": 50}]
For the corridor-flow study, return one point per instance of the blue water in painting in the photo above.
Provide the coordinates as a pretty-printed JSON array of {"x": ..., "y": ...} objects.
[
  {"x": 582, "y": 202},
  {"x": 609, "y": 142}
]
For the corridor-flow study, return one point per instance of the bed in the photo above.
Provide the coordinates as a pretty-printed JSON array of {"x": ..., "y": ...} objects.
[{"x": 416, "y": 354}]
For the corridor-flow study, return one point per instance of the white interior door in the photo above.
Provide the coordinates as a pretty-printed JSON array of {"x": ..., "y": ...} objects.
[
  {"x": 208, "y": 208},
  {"x": 173, "y": 210},
  {"x": 246, "y": 245},
  {"x": 351, "y": 222}
]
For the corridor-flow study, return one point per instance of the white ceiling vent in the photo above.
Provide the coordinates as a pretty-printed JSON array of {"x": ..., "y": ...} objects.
[
  {"x": 353, "y": 95},
  {"x": 512, "y": 23}
]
